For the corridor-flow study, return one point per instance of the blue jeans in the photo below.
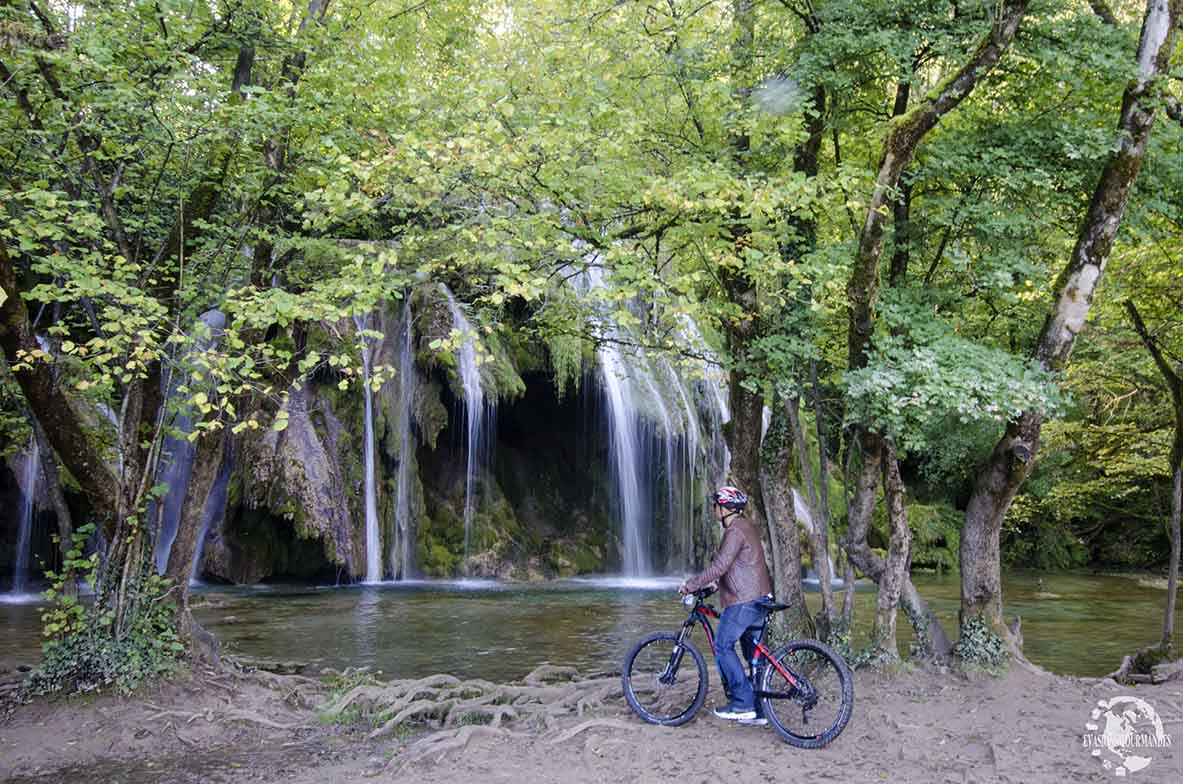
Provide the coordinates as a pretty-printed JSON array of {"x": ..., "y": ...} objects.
[{"x": 733, "y": 626}]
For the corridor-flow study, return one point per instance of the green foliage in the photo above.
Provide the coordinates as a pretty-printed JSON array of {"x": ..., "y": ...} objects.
[
  {"x": 908, "y": 386},
  {"x": 936, "y": 535},
  {"x": 81, "y": 655}
]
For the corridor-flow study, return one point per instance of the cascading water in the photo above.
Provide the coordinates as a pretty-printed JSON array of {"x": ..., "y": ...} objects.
[
  {"x": 178, "y": 453},
  {"x": 477, "y": 411},
  {"x": 20, "y": 573},
  {"x": 645, "y": 434},
  {"x": 373, "y": 545},
  {"x": 400, "y": 551},
  {"x": 627, "y": 465}
]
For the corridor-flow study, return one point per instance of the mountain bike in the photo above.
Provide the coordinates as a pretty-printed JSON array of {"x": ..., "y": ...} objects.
[{"x": 804, "y": 688}]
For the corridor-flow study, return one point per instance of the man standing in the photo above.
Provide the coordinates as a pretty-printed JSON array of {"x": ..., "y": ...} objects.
[{"x": 744, "y": 590}]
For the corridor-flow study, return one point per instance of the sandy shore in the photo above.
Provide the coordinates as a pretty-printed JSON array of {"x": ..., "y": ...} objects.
[{"x": 914, "y": 727}]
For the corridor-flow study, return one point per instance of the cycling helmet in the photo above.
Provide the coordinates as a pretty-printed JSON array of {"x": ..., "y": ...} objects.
[{"x": 730, "y": 497}]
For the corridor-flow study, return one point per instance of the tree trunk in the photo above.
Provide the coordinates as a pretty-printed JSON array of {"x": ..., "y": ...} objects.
[
  {"x": 63, "y": 427},
  {"x": 819, "y": 531},
  {"x": 899, "y": 554},
  {"x": 1174, "y": 383},
  {"x": 848, "y": 580},
  {"x": 776, "y": 467},
  {"x": 743, "y": 439},
  {"x": 1011, "y": 460},
  {"x": 207, "y": 463},
  {"x": 1168, "y": 621},
  {"x": 862, "y": 507}
]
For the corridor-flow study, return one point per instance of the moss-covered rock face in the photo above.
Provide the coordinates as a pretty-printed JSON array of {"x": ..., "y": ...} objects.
[
  {"x": 571, "y": 557},
  {"x": 298, "y": 476}
]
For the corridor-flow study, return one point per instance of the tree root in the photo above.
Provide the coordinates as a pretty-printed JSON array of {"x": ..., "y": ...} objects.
[
  {"x": 549, "y": 672},
  {"x": 615, "y": 724},
  {"x": 437, "y": 745},
  {"x": 464, "y": 710}
]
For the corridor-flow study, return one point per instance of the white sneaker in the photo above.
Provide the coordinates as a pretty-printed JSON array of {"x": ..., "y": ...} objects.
[
  {"x": 759, "y": 721},
  {"x": 734, "y": 714}
]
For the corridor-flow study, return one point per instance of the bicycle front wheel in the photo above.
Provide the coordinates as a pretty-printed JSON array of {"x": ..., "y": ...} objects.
[
  {"x": 807, "y": 691},
  {"x": 664, "y": 681}
]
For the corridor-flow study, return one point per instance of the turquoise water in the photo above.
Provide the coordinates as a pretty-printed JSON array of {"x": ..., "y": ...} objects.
[{"x": 1082, "y": 624}]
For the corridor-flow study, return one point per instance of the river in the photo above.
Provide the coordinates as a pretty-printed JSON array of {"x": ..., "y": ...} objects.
[{"x": 1078, "y": 624}]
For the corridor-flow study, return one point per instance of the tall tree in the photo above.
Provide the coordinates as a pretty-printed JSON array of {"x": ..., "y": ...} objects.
[
  {"x": 1174, "y": 381},
  {"x": 1012, "y": 458},
  {"x": 899, "y": 147}
]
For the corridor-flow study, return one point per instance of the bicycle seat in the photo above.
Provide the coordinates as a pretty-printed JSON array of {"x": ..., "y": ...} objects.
[{"x": 770, "y": 606}]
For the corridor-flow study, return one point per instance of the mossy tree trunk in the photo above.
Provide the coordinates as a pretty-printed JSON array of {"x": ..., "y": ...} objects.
[
  {"x": 899, "y": 556},
  {"x": 776, "y": 467},
  {"x": 819, "y": 532},
  {"x": 1012, "y": 458},
  {"x": 117, "y": 494}
]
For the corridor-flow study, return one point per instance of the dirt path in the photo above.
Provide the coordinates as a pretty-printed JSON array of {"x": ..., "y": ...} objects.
[{"x": 916, "y": 728}]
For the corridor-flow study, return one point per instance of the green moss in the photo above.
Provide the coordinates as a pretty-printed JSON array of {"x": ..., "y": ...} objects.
[
  {"x": 430, "y": 414},
  {"x": 567, "y": 558},
  {"x": 499, "y": 371},
  {"x": 440, "y": 543}
]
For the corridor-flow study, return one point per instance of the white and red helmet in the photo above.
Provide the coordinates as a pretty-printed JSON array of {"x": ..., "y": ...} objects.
[{"x": 730, "y": 497}]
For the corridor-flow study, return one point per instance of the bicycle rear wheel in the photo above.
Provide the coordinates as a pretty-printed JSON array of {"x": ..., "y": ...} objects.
[
  {"x": 664, "y": 682},
  {"x": 815, "y": 709}
]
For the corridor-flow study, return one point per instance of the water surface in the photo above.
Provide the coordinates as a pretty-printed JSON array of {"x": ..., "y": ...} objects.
[{"x": 1079, "y": 624}]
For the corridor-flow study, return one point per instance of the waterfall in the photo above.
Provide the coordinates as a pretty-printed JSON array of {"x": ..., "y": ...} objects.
[
  {"x": 475, "y": 408},
  {"x": 177, "y": 456},
  {"x": 20, "y": 573},
  {"x": 627, "y": 464},
  {"x": 400, "y": 551},
  {"x": 373, "y": 545},
  {"x": 214, "y": 509}
]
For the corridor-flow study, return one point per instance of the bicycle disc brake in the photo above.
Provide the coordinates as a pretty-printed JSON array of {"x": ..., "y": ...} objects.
[{"x": 670, "y": 673}]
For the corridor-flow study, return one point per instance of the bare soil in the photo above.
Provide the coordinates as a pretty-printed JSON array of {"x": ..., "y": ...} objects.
[{"x": 919, "y": 726}]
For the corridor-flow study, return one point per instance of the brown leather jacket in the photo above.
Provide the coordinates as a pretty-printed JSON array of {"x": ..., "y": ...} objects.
[{"x": 738, "y": 566}]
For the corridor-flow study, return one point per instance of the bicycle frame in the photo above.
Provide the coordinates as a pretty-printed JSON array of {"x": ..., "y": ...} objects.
[{"x": 702, "y": 614}]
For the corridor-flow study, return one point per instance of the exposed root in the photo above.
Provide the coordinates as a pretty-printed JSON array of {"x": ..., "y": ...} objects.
[
  {"x": 615, "y": 724},
  {"x": 549, "y": 672},
  {"x": 254, "y": 718},
  {"x": 462, "y": 710},
  {"x": 439, "y": 744}
]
